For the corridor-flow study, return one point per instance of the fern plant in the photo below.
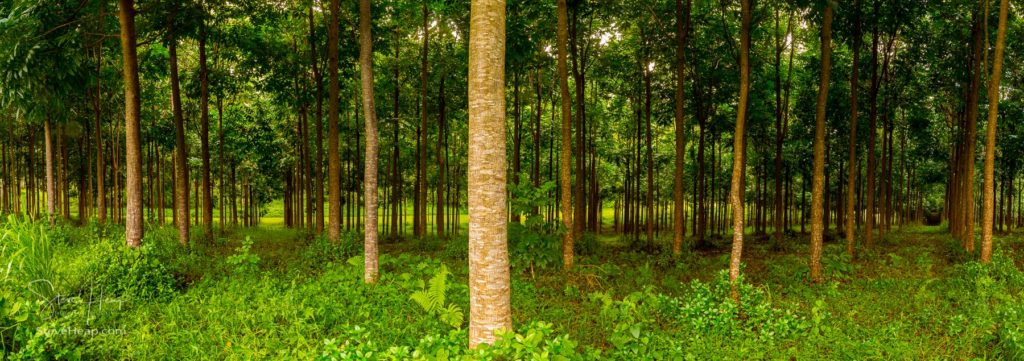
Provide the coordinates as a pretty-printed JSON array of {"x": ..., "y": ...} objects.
[{"x": 432, "y": 299}]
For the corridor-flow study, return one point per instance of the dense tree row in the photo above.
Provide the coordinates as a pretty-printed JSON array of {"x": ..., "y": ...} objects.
[{"x": 437, "y": 109}]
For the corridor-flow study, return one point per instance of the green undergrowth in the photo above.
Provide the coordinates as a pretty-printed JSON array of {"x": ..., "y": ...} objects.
[{"x": 273, "y": 293}]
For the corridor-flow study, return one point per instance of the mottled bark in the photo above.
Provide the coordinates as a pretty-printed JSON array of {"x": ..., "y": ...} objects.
[{"x": 489, "y": 275}]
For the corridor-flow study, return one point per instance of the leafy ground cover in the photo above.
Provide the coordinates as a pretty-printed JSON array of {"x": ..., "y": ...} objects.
[{"x": 275, "y": 293}]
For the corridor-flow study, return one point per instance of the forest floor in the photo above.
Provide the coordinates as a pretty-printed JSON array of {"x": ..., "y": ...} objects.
[{"x": 278, "y": 293}]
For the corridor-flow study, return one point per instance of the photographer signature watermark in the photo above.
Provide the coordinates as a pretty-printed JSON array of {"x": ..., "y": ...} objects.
[{"x": 86, "y": 306}]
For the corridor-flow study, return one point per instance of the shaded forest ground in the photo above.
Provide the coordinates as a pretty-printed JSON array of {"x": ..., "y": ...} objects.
[{"x": 284, "y": 294}]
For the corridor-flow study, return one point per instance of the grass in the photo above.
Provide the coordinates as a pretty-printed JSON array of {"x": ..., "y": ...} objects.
[{"x": 911, "y": 297}]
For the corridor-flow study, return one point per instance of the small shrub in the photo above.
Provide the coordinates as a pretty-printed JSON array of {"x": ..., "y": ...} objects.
[
  {"x": 530, "y": 249},
  {"x": 321, "y": 251},
  {"x": 244, "y": 261}
]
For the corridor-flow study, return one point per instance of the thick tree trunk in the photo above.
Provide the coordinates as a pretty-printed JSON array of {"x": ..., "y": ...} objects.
[
  {"x": 134, "y": 222},
  {"x": 489, "y": 276},
  {"x": 370, "y": 116},
  {"x": 565, "y": 156},
  {"x": 736, "y": 192},
  {"x": 990, "y": 137},
  {"x": 818, "y": 189}
]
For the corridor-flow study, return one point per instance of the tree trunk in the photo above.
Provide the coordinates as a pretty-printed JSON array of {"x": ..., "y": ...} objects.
[
  {"x": 869, "y": 224},
  {"x": 370, "y": 116},
  {"x": 736, "y": 192},
  {"x": 578, "y": 72},
  {"x": 318, "y": 168},
  {"x": 489, "y": 277},
  {"x": 181, "y": 152},
  {"x": 51, "y": 184},
  {"x": 333, "y": 154},
  {"x": 133, "y": 224},
  {"x": 204, "y": 130},
  {"x": 101, "y": 204},
  {"x": 420, "y": 216},
  {"x": 818, "y": 190},
  {"x": 565, "y": 158},
  {"x": 442, "y": 166},
  {"x": 650, "y": 155},
  {"x": 990, "y": 136},
  {"x": 851, "y": 211}
]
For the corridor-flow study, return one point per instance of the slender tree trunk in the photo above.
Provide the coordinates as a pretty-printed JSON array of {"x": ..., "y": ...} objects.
[
  {"x": 204, "y": 130},
  {"x": 220, "y": 164},
  {"x": 578, "y": 72},
  {"x": 517, "y": 138},
  {"x": 779, "y": 134},
  {"x": 51, "y": 184},
  {"x": 318, "y": 168},
  {"x": 565, "y": 157},
  {"x": 134, "y": 224},
  {"x": 535, "y": 167},
  {"x": 489, "y": 276},
  {"x": 370, "y": 116},
  {"x": 869, "y": 224},
  {"x": 421, "y": 136},
  {"x": 966, "y": 201},
  {"x": 441, "y": 155},
  {"x": 736, "y": 192},
  {"x": 180, "y": 151},
  {"x": 818, "y": 190},
  {"x": 101, "y": 204},
  {"x": 990, "y": 136},
  {"x": 851, "y": 211},
  {"x": 333, "y": 154},
  {"x": 650, "y": 156}
]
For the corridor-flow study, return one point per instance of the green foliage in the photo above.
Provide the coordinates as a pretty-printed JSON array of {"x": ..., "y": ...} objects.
[
  {"x": 244, "y": 261},
  {"x": 535, "y": 341},
  {"x": 29, "y": 251},
  {"x": 530, "y": 249},
  {"x": 432, "y": 298},
  {"x": 137, "y": 274},
  {"x": 457, "y": 248},
  {"x": 321, "y": 252}
]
